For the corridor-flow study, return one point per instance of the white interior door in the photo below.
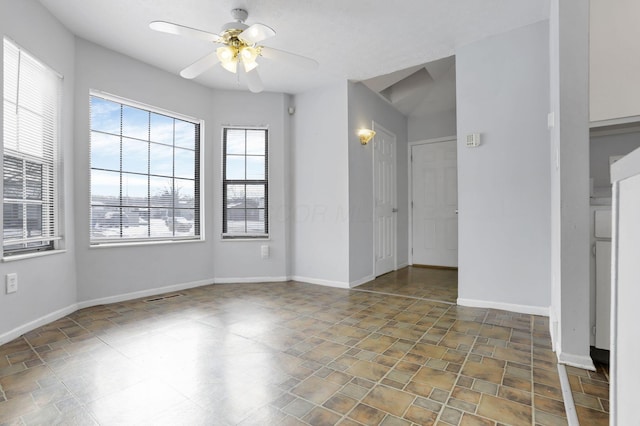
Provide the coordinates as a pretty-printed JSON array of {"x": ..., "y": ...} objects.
[
  {"x": 384, "y": 188},
  {"x": 434, "y": 180}
]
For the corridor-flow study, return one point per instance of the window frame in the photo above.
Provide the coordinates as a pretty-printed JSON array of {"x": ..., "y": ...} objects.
[
  {"x": 198, "y": 221},
  {"x": 50, "y": 178},
  {"x": 236, "y": 236}
]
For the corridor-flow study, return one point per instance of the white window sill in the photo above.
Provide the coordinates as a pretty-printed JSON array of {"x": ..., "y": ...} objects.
[
  {"x": 32, "y": 255},
  {"x": 245, "y": 238},
  {"x": 142, "y": 243}
]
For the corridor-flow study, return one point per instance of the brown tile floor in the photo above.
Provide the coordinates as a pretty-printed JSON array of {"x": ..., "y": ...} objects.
[
  {"x": 425, "y": 283},
  {"x": 284, "y": 354},
  {"x": 590, "y": 391}
]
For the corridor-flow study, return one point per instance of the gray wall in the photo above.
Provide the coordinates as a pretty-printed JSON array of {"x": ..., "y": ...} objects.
[
  {"x": 320, "y": 187},
  {"x": 570, "y": 251},
  {"x": 603, "y": 147},
  {"x": 438, "y": 125},
  {"x": 503, "y": 185},
  {"x": 105, "y": 272},
  {"x": 47, "y": 284},
  {"x": 241, "y": 260},
  {"x": 365, "y": 107},
  {"x": 117, "y": 270}
]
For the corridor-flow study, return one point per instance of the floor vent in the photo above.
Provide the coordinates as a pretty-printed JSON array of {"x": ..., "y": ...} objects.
[{"x": 164, "y": 297}]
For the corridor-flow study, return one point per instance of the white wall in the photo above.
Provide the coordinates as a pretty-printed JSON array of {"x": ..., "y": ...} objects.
[
  {"x": 570, "y": 251},
  {"x": 438, "y": 125},
  {"x": 366, "y": 106},
  {"x": 46, "y": 284},
  {"x": 503, "y": 185},
  {"x": 614, "y": 59},
  {"x": 320, "y": 186}
]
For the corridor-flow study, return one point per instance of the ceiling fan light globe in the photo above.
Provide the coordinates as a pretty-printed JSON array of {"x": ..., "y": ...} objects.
[
  {"x": 225, "y": 54},
  {"x": 231, "y": 66},
  {"x": 248, "y": 54}
]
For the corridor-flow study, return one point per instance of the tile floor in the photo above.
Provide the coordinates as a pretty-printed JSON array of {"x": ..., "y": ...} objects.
[
  {"x": 287, "y": 354},
  {"x": 590, "y": 391}
]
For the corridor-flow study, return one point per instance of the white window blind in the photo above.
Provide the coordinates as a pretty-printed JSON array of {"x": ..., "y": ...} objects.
[
  {"x": 145, "y": 173},
  {"x": 32, "y": 94},
  {"x": 245, "y": 183}
]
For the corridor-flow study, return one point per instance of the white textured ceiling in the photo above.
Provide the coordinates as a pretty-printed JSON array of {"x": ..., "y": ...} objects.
[{"x": 351, "y": 39}]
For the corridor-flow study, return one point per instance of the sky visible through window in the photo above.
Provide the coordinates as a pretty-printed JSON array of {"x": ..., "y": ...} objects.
[{"x": 143, "y": 173}]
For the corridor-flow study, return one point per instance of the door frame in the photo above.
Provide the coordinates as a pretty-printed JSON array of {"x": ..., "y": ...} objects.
[
  {"x": 376, "y": 126},
  {"x": 410, "y": 146}
]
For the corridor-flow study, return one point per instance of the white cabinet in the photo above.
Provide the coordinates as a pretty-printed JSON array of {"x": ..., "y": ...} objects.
[
  {"x": 625, "y": 338},
  {"x": 601, "y": 275},
  {"x": 603, "y": 293}
]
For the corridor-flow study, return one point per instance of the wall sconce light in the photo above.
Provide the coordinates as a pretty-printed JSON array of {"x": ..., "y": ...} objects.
[{"x": 365, "y": 135}]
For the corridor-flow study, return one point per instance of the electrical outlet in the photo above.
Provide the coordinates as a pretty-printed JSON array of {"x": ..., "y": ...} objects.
[{"x": 12, "y": 283}]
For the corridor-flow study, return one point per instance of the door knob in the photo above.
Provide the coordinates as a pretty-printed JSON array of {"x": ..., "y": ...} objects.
[{"x": 394, "y": 210}]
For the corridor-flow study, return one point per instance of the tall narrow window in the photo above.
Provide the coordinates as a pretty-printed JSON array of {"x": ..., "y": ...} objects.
[
  {"x": 245, "y": 185},
  {"x": 32, "y": 93},
  {"x": 145, "y": 173}
]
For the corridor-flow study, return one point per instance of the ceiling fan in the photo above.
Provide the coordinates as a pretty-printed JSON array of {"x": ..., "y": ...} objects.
[{"x": 239, "y": 48}]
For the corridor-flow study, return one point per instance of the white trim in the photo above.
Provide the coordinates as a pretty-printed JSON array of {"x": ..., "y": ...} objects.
[
  {"x": 38, "y": 322},
  {"x": 137, "y": 243},
  {"x": 32, "y": 255},
  {"x": 410, "y": 146},
  {"x": 614, "y": 121},
  {"x": 361, "y": 281},
  {"x": 553, "y": 329},
  {"x": 403, "y": 265},
  {"x": 241, "y": 280},
  {"x": 326, "y": 283},
  {"x": 512, "y": 307},
  {"x": 434, "y": 140},
  {"x": 613, "y": 361},
  {"x": 580, "y": 361},
  {"x": 567, "y": 396},
  {"x": 141, "y": 105},
  {"x": 142, "y": 293}
]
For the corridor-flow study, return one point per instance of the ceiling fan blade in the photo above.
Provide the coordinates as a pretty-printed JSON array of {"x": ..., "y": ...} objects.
[
  {"x": 256, "y": 33},
  {"x": 200, "y": 66},
  {"x": 291, "y": 58},
  {"x": 254, "y": 81},
  {"x": 171, "y": 28}
]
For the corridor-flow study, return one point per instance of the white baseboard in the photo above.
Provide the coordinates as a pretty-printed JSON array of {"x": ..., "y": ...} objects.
[
  {"x": 327, "y": 283},
  {"x": 581, "y": 361},
  {"x": 143, "y": 293},
  {"x": 402, "y": 265},
  {"x": 46, "y": 319},
  {"x": 567, "y": 396},
  {"x": 361, "y": 281},
  {"x": 244, "y": 280},
  {"x": 553, "y": 329},
  {"x": 511, "y": 307}
]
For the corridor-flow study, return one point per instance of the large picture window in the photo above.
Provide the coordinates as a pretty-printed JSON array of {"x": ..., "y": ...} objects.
[
  {"x": 145, "y": 173},
  {"x": 31, "y": 100},
  {"x": 245, "y": 187}
]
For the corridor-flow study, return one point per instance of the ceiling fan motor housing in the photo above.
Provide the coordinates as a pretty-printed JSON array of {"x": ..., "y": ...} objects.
[{"x": 240, "y": 15}]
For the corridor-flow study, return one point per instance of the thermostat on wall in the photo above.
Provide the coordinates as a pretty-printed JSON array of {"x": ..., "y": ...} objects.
[{"x": 473, "y": 140}]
